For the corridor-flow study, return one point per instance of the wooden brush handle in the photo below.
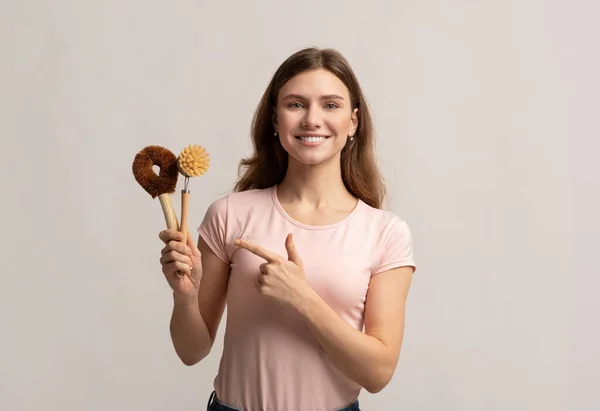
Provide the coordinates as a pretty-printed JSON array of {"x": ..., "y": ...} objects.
[
  {"x": 168, "y": 211},
  {"x": 185, "y": 196}
]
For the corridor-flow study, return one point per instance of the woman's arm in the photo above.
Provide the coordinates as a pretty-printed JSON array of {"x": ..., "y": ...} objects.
[
  {"x": 368, "y": 358},
  {"x": 194, "y": 321}
]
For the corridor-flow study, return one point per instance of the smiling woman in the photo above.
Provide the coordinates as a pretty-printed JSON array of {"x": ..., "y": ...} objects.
[
  {"x": 334, "y": 82},
  {"x": 301, "y": 252}
]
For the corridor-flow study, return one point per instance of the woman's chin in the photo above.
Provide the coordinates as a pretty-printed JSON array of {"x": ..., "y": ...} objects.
[{"x": 312, "y": 159}]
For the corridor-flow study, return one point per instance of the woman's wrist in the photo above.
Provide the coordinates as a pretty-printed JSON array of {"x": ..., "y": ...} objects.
[
  {"x": 305, "y": 301},
  {"x": 184, "y": 300}
]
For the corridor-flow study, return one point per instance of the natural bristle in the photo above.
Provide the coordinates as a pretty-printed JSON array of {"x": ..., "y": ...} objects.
[
  {"x": 193, "y": 161},
  {"x": 166, "y": 180}
]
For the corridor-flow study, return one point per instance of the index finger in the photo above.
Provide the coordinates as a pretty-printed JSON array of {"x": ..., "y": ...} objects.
[
  {"x": 170, "y": 235},
  {"x": 257, "y": 250}
]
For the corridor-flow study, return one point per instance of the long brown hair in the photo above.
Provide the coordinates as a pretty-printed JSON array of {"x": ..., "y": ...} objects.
[{"x": 268, "y": 164}]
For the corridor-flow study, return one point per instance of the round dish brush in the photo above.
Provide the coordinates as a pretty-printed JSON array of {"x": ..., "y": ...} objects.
[
  {"x": 161, "y": 185},
  {"x": 192, "y": 162}
]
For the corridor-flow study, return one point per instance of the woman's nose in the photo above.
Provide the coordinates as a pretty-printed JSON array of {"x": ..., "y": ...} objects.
[{"x": 312, "y": 118}]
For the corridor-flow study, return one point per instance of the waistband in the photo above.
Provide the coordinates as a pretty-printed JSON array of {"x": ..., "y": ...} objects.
[{"x": 215, "y": 405}]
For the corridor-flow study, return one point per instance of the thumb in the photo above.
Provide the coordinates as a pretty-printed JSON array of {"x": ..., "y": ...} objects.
[{"x": 293, "y": 254}]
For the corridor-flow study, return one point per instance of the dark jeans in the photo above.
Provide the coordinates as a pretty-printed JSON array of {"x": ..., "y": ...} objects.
[{"x": 215, "y": 405}]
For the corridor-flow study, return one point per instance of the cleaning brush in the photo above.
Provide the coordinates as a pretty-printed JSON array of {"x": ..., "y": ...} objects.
[
  {"x": 161, "y": 185},
  {"x": 193, "y": 161}
]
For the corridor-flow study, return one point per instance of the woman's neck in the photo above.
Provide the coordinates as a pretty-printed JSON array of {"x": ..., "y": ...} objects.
[{"x": 315, "y": 186}]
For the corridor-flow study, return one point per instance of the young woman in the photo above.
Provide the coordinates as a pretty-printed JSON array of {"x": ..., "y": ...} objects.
[{"x": 315, "y": 275}]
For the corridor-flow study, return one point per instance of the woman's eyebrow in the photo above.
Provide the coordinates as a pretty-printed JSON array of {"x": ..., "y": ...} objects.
[{"x": 323, "y": 97}]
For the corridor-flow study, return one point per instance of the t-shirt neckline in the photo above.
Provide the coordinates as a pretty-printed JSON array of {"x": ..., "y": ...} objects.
[{"x": 285, "y": 215}]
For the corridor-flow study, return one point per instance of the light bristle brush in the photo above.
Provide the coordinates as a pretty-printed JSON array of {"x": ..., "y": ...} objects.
[
  {"x": 161, "y": 185},
  {"x": 192, "y": 162}
]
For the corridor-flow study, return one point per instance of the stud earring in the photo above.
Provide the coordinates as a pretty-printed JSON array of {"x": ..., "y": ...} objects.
[
  {"x": 275, "y": 134},
  {"x": 351, "y": 138}
]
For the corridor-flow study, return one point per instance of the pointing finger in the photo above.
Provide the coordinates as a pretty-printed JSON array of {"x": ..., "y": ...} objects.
[{"x": 257, "y": 250}]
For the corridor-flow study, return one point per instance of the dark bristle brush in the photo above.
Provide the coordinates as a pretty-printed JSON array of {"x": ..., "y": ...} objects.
[{"x": 162, "y": 185}]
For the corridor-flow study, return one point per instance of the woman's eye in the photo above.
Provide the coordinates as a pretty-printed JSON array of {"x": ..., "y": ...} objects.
[{"x": 330, "y": 106}]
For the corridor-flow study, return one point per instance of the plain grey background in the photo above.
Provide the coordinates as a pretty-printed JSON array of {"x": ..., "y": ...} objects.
[{"x": 486, "y": 114}]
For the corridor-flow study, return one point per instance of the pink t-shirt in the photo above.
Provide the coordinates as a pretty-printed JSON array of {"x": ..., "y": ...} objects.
[{"x": 271, "y": 360}]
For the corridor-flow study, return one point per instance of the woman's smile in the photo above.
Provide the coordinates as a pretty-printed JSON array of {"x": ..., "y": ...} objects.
[{"x": 311, "y": 140}]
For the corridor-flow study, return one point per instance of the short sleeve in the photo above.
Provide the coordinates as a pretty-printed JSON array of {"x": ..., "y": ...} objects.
[
  {"x": 213, "y": 228},
  {"x": 397, "y": 247}
]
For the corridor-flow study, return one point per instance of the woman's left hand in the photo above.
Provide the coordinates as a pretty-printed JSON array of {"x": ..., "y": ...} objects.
[{"x": 280, "y": 279}]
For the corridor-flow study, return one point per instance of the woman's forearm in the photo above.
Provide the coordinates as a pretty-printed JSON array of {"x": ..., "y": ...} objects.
[
  {"x": 363, "y": 358},
  {"x": 189, "y": 333}
]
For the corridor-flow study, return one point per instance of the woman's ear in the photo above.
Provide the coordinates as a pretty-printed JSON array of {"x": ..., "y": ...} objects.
[{"x": 354, "y": 122}]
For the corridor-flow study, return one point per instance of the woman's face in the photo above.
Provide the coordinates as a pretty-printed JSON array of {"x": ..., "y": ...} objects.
[{"x": 314, "y": 116}]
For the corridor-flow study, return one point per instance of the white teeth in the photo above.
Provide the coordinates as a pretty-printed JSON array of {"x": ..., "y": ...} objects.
[{"x": 312, "y": 139}]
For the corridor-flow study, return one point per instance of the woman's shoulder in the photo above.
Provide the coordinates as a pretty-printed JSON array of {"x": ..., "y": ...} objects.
[
  {"x": 380, "y": 217},
  {"x": 240, "y": 200},
  {"x": 253, "y": 194},
  {"x": 391, "y": 234},
  {"x": 384, "y": 225}
]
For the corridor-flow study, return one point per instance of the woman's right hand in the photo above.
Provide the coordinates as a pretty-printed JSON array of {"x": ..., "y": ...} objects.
[{"x": 177, "y": 257}]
